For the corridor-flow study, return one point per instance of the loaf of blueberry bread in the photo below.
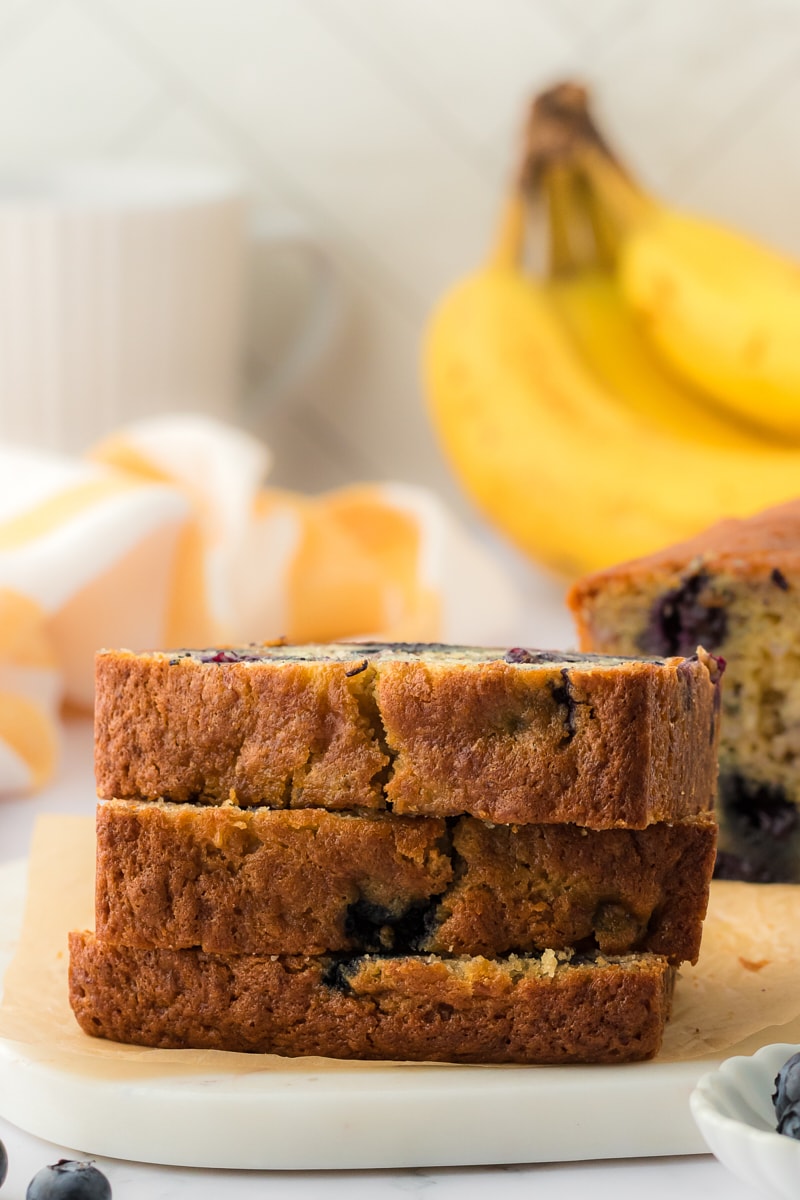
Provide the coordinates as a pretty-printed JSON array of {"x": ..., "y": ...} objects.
[
  {"x": 734, "y": 589},
  {"x": 261, "y": 881},
  {"x": 398, "y": 851},
  {"x": 513, "y": 736},
  {"x": 548, "y": 1008}
]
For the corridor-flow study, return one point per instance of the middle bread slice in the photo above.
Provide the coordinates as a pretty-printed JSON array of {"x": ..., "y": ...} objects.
[{"x": 264, "y": 881}]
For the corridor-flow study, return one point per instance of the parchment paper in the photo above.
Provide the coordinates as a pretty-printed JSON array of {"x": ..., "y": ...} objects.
[{"x": 744, "y": 992}]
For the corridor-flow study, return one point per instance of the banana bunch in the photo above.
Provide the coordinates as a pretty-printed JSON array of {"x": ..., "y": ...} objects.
[{"x": 642, "y": 385}]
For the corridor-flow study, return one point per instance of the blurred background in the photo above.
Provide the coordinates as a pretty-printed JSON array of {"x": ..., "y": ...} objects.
[
  {"x": 355, "y": 158},
  {"x": 389, "y": 129}
]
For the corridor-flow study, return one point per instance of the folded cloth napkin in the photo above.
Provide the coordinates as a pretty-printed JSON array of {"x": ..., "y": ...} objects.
[{"x": 165, "y": 537}]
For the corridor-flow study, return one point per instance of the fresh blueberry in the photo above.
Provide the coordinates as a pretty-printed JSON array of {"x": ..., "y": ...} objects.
[
  {"x": 3, "y": 1164},
  {"x": 790, "y": 1122},
  {"x": 67, "y": 1180},
  {"x": 787, "y": 1086}
]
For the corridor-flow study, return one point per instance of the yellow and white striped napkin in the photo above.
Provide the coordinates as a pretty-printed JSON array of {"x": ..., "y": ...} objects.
[{"x": 166, "y": 537}]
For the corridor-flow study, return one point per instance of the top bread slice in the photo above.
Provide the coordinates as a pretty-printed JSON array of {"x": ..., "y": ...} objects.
[{"x": 514, "y": 737}]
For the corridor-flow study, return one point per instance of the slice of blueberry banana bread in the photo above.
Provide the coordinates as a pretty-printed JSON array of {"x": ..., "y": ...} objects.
[
  {"x": 735, "y": 589},
  {"x": 261, "y": 881},
  {"x": 542, "y": 1009},
  {"x": 519, "y": 736}
]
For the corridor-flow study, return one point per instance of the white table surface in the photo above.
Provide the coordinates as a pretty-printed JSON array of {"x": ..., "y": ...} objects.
[{"x": 658, "y": 1178}]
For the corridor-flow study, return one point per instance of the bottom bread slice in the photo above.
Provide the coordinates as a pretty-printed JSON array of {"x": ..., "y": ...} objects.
[{"x": 543, "y": 1008}]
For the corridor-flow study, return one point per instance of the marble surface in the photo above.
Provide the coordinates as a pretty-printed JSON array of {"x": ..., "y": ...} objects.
[
  {"x": 663, "y": 1177},
  {"x": 659, "y": 1179}
]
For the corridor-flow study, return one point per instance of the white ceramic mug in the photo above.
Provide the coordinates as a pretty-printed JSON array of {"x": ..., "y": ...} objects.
[{"x": 121, "y": 296}]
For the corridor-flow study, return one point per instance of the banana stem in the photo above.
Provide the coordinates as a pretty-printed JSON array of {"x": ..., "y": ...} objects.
[
  {"x": 616, "y": 195},
  {"x": 561, "y": 130},
  {"x": 590, "y": 198},
  {"x": 509, "y": 247},
  {"x": 557, "y": 188},
  {"x": 605, "y": 231},
  {"x": 573, "y": 245}
]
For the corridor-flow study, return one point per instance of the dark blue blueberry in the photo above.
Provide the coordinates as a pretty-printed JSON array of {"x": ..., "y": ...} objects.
[
  {"x": 790, "y": 1122},
  {"x": 758, "y": 808},
  {"x": 374, "y": 929},
  {"x": 229, "y": 656},
  {"x": 742, "y": 868},
  {"x": 787, "y": 1087},
  {"x": 336, "y": 975},
  {"x": 68, "y": 1180},
  {"x": 680, "y": 620},
  {"x": 518, "y": 654},
  {"x": 762, "y": 832},
  {"x": 214, "y": 654},
  {"x": 3, "y": 1164},
  {"x": 567, "y": 703}
]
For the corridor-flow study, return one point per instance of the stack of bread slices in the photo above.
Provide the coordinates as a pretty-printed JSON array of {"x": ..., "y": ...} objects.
[{"x": 382, "y": 851}]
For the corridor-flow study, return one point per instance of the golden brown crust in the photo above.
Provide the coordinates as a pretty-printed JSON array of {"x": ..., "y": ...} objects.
[
  {"x": 610, "y": 745},
  {"x": 290, "y": 734},
  {"x": 258, "y": 881},
  {"x": 751, "y": 546},
  {"x": 392, "y": 1008},
  {"x": 621, "y": 747}
]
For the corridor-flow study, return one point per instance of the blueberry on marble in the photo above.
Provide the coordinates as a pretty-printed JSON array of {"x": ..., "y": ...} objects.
[
  {"x": 69, "y": 1180},
  {"x": 787, "y": 1087}
]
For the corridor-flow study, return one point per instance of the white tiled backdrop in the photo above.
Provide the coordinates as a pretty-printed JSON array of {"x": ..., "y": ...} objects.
[{"x": 388, "y": 127}]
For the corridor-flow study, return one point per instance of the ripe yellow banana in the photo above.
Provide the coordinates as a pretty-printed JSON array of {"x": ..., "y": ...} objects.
[
  {"x": 721, "y": 310},
  {"x": 552, "y": 452},
  {"x": 584, "y": 289},
  {"x": 600, "y": 325}
]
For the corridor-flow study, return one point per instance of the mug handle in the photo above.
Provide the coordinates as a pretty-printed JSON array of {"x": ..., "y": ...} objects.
[{"x": 317, "y": 325}]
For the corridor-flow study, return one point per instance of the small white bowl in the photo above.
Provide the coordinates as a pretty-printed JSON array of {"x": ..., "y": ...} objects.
[{"x": 733, "y": 1110}]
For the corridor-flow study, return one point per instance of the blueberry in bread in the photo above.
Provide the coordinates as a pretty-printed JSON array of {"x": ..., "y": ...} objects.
[
  {"x": 507, "y": 736},
  {"x": 735, "y": 590},
  {"x": 546, "y": 1008}
]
